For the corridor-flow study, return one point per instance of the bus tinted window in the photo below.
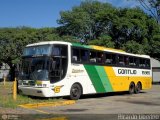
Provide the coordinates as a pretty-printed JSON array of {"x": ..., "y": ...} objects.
[
  {"x": 84, "y": 55},
  {"x": 147, "y": 63},
  {"x": 100, "y": 56},
  {"x": 64, "y": 50},
  {"x": 121, "y": 60},
  {"x": 142, "y": 63},
  {"x": 75, "y": 55},
  {"x": 133, "y": 61},
  {"x": 110, "y": 58},
  {"x": 37, "y": 50},
  {"x": 56, "y": 51},
  {"x": 92, "y": 57}
]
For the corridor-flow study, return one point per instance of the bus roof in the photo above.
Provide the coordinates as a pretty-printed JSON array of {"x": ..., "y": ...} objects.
[
  {"x": 47, "y": 43},
  {"x": 90, "y": 47}
]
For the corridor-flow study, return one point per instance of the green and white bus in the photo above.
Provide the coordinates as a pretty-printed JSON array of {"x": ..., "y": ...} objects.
[{"x": 54, "y": 68}]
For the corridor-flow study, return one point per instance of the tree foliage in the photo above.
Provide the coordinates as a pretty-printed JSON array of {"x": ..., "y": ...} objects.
[
  {"x": 153, "y": 6},
  {"x": 93, "y": 20},
  {"x": 13, "y": 41},
  {"x": 84, "y": 21},
  {"x": 98, "y": 23}
]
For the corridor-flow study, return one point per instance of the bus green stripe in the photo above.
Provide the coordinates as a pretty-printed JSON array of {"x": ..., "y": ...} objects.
[
  {"x": 80, "y": 45},
  {"x": 95, "y": 78},
  {"x": 104, "y": 78}
]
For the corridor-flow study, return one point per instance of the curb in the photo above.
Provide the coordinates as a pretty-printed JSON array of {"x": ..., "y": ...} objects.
[{"x": 46, "y": 104}]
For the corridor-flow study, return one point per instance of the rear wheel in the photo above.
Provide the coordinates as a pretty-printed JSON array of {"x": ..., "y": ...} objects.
[
  {"x": 131, "y": 88},
  {"x": 75, "y": 92},
  {"x": 138, "y": 88}
]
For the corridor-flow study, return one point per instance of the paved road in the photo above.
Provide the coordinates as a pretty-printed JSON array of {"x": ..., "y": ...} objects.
[{"x": 147, "y": 102}]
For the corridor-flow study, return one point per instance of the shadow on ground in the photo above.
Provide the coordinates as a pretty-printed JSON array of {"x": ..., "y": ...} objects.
[{"x": 100, "y": 95}]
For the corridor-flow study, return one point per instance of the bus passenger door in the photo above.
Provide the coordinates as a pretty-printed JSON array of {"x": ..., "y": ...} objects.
[{"x": 59, "y": 63}]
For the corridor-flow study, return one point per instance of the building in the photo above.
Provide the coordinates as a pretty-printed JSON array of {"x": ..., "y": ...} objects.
[
  {"x": 156, "y": 70},
  {"x": 4, "y": 70}
]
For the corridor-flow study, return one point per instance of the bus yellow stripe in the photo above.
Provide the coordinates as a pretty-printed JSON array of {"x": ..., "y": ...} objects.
[{"x": 103, "y": 48}]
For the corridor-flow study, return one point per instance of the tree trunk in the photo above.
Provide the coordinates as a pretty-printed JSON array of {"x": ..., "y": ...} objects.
[{"x": 12, "y": 72}]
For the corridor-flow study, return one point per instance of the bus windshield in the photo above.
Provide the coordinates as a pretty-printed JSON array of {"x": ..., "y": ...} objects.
[
  {"x": 37, "y": 50},
  {"x": 49, "y": 64},
  {"x": 35, "y": 68}
]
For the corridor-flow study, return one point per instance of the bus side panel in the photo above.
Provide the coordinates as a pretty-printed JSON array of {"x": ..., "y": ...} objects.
[
  {"x": 99, "y": 78},
  {"x": 119, "y": 83},
  {"x": 122, "y": 82},
  {"x": 79, "y": 75}
]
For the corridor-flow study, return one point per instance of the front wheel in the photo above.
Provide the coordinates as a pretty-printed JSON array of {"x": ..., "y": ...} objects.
[{"x": 75, "y": 92}]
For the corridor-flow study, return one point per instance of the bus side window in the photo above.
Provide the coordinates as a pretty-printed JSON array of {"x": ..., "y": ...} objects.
[
  {"x": 121, "y": 60},
  {"x": 100, "y": 57},
  {"x": 147, "y": 62},
  {"x": 131, "y": 61},
  {"x": 75, "y": 55},
  {"x": 142, "y": 63},
  {"x": 108, "y": 59},
  {"x": 126, "y": 60},
  {"x": 92, "y": 57},
  {"x": 84, "y": 55},
  {"x": 113, "y": 58}
]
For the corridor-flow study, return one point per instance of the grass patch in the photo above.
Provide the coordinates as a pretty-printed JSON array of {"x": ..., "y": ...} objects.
[{"x": 6, "y": 99}]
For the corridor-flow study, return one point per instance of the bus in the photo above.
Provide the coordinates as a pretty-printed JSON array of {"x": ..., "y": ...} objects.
[{"x": 55, "y": 68}]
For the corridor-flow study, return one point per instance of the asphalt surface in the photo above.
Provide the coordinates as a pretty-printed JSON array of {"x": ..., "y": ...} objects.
[
  {"x": 109, "y": 106},
  {"x": 147, "y": 102}
]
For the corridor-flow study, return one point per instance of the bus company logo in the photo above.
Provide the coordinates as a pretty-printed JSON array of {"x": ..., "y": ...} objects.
[
  {"x": 57, "y": 89},
  {"x": 127, "y": 71},
  {"x": 77, "y": 71}
]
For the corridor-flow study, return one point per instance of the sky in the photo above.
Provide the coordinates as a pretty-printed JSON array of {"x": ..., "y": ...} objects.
[{"x": 42, "y": 13}]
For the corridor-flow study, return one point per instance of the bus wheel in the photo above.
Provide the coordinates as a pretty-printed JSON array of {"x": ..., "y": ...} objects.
[
  {"x": 75, "y": 92},
  {"x": 138, "y": 88},
  {"x": 131, "y": 88}
]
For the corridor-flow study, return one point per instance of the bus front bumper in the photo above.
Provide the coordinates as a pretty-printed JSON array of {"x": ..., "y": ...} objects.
[{"x": 37, "y": 91}]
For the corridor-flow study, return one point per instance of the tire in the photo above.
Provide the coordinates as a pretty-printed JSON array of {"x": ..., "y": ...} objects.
[
  {"x": 75, "y": 92},
  {"x": 131, "y": 88},
  {"x": 138, "y": 88}
]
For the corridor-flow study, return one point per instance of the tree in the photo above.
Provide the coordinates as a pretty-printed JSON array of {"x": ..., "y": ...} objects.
[
  {"x": 153, "y": 6},
  {"x": 95, "y": 21},
  {"x": 12, "y": 41},
  {"x": 103, "y": 40},
  {"x": 84, "y": 21}
]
